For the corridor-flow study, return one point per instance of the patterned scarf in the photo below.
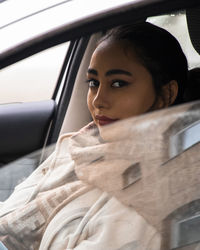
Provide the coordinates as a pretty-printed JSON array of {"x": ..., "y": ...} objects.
[{"x": 133, "y": 163}]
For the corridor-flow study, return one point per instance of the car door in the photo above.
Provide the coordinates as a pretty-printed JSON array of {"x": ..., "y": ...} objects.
[
  {"x": 27, "y": 126},
  {"x": 32, "y": 94}
]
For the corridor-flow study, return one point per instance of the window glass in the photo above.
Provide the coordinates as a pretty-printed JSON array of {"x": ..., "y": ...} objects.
[
  {"x": 146, "y": 168},
  {"x": 34, "y": 78},
  {"x": 176, "y": 24}
]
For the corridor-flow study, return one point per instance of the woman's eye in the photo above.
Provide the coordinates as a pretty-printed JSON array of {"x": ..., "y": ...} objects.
[
  {"x": 92, "y": 83},
  {"x": 119, "y": 84}
]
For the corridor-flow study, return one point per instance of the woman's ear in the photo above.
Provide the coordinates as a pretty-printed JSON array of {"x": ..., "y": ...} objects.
[{"x": 169, "y": 94}]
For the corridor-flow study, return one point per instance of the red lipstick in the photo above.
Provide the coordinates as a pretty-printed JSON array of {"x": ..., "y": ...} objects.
[{"x": 104, "y": 120}]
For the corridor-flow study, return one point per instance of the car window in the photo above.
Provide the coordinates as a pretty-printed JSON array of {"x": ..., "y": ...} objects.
[
  {"x": 176, "y": 24},
  {"x": 34, "y": 78},
  {"x": 14, "y": 173},
  {"x": 147, "y": 164}
]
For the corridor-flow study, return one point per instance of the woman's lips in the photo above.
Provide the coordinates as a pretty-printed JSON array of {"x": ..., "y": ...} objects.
[{"x": 104, "y": 120}]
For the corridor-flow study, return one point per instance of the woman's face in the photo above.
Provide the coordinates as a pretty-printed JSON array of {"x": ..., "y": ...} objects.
[{"x": 119, "y": 85}]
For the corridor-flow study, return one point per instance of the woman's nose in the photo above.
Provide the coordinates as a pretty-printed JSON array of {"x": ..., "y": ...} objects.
[{"x": 101, "y": 99}]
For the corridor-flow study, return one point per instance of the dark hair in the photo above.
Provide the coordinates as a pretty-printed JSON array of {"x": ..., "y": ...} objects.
[{"x": 158, "y": 51}]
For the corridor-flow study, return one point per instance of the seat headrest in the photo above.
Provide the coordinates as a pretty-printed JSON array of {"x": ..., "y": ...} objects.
[{"x": 193, "y": 22}]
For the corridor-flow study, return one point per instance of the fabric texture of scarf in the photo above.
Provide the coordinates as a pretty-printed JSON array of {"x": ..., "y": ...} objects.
[{"x": 112, "y": 193}]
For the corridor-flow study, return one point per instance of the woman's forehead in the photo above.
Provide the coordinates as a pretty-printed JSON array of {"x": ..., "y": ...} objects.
[
  {"x": 115, "y": 52},
  {"x": 111, "y": 44}
]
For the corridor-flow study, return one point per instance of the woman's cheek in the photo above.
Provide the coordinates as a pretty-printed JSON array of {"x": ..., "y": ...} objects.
[
  {"x": 126, "y": 108},
  {"x": 89, "y": 102}
]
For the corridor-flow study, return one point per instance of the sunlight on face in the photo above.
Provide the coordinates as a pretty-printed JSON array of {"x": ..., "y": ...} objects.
[{"x": 119, "y": 85}]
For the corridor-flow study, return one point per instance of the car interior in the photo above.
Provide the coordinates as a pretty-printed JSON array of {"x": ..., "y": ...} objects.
[
  {"x": 188, "y": 20},
  {"x": 67, "y": 111},
  {"x": 71, "y": 113}
]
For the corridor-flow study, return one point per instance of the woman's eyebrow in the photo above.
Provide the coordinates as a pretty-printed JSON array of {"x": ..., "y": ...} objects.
[
  {"x": 110, "y": 72},
  {"x": 118, "y": 72},
  {"x": 92, "y": 71}
]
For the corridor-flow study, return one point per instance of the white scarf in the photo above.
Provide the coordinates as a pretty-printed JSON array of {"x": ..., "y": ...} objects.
[{"x": 134, "y": 166}]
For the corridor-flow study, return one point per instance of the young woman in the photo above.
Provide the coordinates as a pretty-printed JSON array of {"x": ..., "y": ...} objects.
[
  {"x": 80, "y": 197},
  {"x": 136, "y": 69}
]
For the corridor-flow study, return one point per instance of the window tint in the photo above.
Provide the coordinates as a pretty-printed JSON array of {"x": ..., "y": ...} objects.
[
  {"x": 176, "y": 24},
  {"x": 34, "y": 78}
]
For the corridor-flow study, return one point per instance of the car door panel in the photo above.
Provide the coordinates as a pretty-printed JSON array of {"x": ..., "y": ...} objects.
[{"x": 23, "y": 128}]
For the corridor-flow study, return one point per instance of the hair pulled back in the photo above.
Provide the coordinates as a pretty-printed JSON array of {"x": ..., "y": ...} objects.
[{"x": 159, "y": 52}]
